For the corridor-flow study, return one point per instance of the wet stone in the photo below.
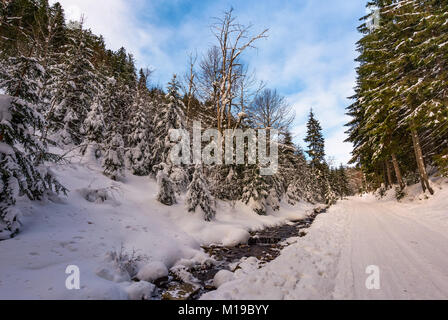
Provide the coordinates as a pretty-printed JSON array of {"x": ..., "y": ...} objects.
[
  {"x": 161, "y": 282},
  {"x": 180, "y": 291}
]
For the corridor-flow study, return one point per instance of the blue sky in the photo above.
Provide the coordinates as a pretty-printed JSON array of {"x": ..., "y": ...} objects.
[{"x": 308, "y": 57}]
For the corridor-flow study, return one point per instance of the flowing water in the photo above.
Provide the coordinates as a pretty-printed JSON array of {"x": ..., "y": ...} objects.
[{"x": 265, "y": 245}]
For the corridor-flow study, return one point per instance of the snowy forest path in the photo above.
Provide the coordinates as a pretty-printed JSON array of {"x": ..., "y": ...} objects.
[{"x": 411, "y": 252}]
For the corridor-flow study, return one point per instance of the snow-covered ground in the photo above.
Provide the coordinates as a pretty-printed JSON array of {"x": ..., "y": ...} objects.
[
  {"x": 100, "y": 218},
  {"x": 407, "y": 241},
  {"x": 75, "y": 231}
]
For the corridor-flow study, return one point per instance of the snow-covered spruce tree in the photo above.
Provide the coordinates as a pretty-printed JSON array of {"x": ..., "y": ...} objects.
[
  {"x": 256, "y": 190},
  {"x": 166, "y": 194},
  {"x": 225, "y": 182},
  {"x": 170, "y": 115},
  {"x": 276, "y": 191},
  {"x": 330, "y": 184},
  {"x": 74, "y": 88},
  {"x": 293, "y": 170},
  {"x": 329, "y": 195},
  {"x": 48, "y": 37},
  {"x": 22, "y": 152},
  {"x": 316, "y": 142},
  {"x": 342, "y": 183},
  {"x": 118, "y": 95},
  {"x": 294, "y": 192},
  {"x": 316, "y": 152},
  {"x": 198, "y": 194},
  {"x": 140, "y": 138},
  {"x": 113, "y": 162},
  {"x": 94, "y": 130}
]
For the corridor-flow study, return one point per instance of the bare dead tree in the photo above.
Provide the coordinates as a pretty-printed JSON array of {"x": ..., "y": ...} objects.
[{"x": 233, "y": 39}]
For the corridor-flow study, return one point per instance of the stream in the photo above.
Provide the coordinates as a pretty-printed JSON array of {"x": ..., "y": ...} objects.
[{"x": 264, "y": 245}]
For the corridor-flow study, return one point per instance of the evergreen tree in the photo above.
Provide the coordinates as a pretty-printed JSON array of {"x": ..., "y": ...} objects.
[
  {"x": 59, "y": 35},
  {"x": 302, "y": 187},
  {"x": 343, "y": 183},
  {"x": 113, "y": 162},
  {"x": 166, "y": 194},
  {"x": 316, "y": 142},
  {"x": 75, "y": 88},
  {"x": 94, "y": 128},
  {"x": 256, "y": 190},
  {"x": 22, "y": 152},
  {"x": 225, "y": 182},
  {"x": 170, "y": 115},
  {"x": 295, "y": 173},
  {"x": 319, "y": 168},
  {"x": 198, "y": 194},
  {"x": 140, "y": 139}
]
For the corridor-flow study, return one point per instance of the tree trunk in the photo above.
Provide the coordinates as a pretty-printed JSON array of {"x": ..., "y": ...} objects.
[
  {"x": 389, "y": 173},
  {"x": 420, "y": 162},
  {"x": 397, "y": 171}
]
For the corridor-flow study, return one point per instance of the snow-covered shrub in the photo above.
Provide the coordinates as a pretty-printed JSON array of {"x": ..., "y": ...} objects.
[
  {"x": 127, "y": 262},
  {"x": 9, "y": 222},
  {"x": 225, "y": 182},
  {"x": 102, "y": 195},
  {"x": 381, "y": 192},
  {"x": 198, "y": 194}
]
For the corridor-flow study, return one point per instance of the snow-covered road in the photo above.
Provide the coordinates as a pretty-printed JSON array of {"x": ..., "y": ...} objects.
[
  {"x": 411, "y": 253},
  {"x": 407, "y": 242}
]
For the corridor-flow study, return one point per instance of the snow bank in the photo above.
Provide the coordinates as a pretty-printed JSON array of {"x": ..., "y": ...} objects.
[
  {"x": 222, "y": 277},
  {"x": 153, "y": 271},
  {"x": 141, "y": 290}
]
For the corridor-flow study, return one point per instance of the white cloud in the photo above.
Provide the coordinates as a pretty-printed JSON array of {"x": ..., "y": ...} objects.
[{"x": 117, "y": 21}]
